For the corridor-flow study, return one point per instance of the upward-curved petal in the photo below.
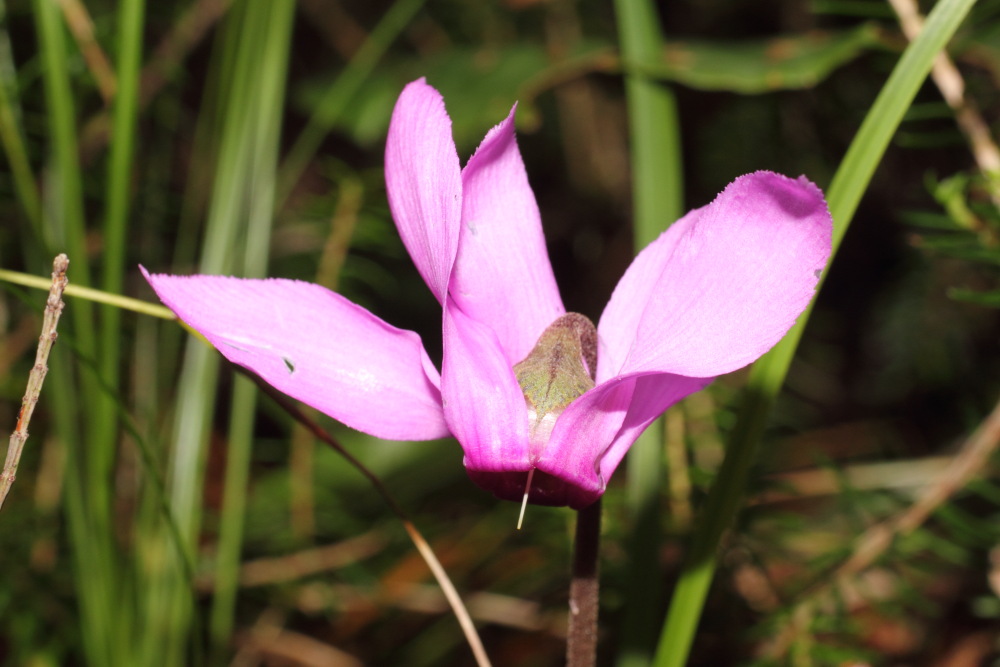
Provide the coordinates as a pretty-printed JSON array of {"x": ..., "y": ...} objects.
[
  {"x": 424, "y": 183},
  {"x": 722, "y": 285},
  {"x": 317, "y": 347},
  {"x": 502, "y": 274}
]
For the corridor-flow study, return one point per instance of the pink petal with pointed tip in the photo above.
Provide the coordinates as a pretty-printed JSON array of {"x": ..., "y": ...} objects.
[
  {"x": 424, "y": 183},
  {"x": 318, "y": 348},
  {"x": 483, "y": 403},
  {"x": 502, "y": 275},
  {"x": 722, "y": 285}
]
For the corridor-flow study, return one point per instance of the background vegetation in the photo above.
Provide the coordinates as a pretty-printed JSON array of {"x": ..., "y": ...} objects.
[{"x": 164, "y": 514}]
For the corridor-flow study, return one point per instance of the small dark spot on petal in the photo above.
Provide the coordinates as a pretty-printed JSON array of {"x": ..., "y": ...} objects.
[{"x": 289, "y": 364}]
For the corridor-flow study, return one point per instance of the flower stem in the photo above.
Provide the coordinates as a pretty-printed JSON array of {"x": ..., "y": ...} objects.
[
  {"x": 90, "y": 294},
  {"x": 581, "y": 646}
]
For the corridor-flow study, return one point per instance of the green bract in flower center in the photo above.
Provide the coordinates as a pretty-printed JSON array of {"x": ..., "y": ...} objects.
[{"x": 560, "y": 368}]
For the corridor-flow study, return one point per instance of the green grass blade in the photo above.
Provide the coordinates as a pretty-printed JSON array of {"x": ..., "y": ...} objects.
[
  {"x": 264, "y": 133},
  {"x": 64, "y": 212},
  {"x": 844, "y": 195},
  {"x": 169, "y": 603},
  {"x": 654, "y": 134},
  {"x": 654, "y": 139},
  {"x": 247, "y": 108},
  {"x": 87, "y": 498},
  {"x": 119, "y": 181},
  {"x": 65, "y": 231},
  {"x": 231, "y": 521}
]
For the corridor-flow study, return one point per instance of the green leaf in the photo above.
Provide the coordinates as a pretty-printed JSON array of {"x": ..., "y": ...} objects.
[
  {"x": 960, "y": 246},
  {"x": 988, "y": 299},
  {"x": 478, "y": 84},
  {"x": 760, "y": 66},
  {"x": 951, "y": 193},
  {"x": 929, "y": 220}
]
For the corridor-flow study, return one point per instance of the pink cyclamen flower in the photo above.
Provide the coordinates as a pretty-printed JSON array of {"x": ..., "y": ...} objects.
[{"x": 519, "y": 386}]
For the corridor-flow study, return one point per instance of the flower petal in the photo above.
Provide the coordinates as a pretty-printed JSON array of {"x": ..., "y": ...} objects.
[
  {"x": 483, "y": 404},
  {"x": 722, "y": 285},
  {"x": 581, "y": 436},
  {"x": 592, "y": 436},
  {"x": 502, "y": 275},
  {"x": 317, "y": 347},
  {"x": 424, "y": 183},
  {"x": 652, "y": 396}
]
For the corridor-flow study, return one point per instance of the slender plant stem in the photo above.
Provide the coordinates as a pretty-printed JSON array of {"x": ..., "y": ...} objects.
[
  {"x": 768, "y": 374},
  {"x": 104, "y": 613},
  {"x": 230, "y": 544},
  {"x": 584, "y": 589},
  {"x": 116, "y": 222},
  {"x": 53, "y": 309},
  {"x": 91, "y": 294},
  {"x": 457, "y": 606},
  {"x": 119, "y": 178},
  {"x": 654, "y": 130},
  {"x": 65, "y": 224}
]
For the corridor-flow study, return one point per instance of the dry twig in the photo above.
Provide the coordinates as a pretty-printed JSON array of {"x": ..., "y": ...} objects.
[
  {"x": 315, "y": 598},
  {"x": 952, "y": 86},
  {"x": 82, "y": 27},
  {"x": 282, "y": 569},
  {"x": 53, "y": 309},
  {"x": 963, "y": 468},
  {"x": 423, "y": 548},
  {"x": 279, "y": 645}
]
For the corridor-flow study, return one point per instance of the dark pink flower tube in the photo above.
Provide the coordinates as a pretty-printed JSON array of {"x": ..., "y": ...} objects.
[{"x": 519, "y": 386}]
